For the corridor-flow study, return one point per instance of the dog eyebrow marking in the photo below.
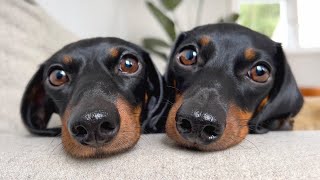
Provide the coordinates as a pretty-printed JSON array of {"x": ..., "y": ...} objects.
[
  {"x": 249, "y": 54},
  {"x": 114, "y": 52},
  {"x": 204, "y": 40},
  {"x": 67, "y": 60}
]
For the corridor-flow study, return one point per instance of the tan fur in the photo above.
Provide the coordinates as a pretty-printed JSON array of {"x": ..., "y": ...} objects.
[
  {"x": 67, "y": 60},
  {"x": 128, "y": 135},
  {"x": 171, "y": 128},
  {"x": 263, "y": 103},
  {"x": 146, "y": 98},
  {"x": 249, "y": 54},
  {"x": 204, "y": 40},
  {"x": 114, "y": 52}
]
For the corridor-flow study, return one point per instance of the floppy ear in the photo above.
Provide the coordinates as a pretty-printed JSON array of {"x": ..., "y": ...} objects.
[
  {"x": 285, "y": 100},
  {"x": 37, "y": 108},
  {"x": 158, "y": 102},
  {"x": 169, "y": 78},
  {"x": 155, "y": 108}
]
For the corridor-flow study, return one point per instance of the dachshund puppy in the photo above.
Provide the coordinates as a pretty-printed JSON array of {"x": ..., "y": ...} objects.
[
  {"x": 225, "y": 81},
  {"x": 104, "y": 89}
]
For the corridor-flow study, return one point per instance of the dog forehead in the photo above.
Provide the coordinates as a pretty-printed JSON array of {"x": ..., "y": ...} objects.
[
  {"x": 86, "y": 52},
  {"x": 98, "y": 44},
  {"x": 234, "y": 41},
  {"x": 233, "y": 33}
]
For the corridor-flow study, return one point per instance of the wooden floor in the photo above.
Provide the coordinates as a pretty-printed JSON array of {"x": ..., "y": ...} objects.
[{"x": 309, "y": 116}]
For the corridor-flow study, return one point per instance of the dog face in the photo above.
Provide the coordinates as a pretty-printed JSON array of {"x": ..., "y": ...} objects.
[
  {"x": 99, "y": 87},
  {"x": 227, "y": 80}
]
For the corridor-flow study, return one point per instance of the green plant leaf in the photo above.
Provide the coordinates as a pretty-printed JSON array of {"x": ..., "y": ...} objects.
[
  {"x": 152, "y": 42},
  {"x": 152, "y": 45},
  {"x": 160, "y": 54},
  {"x": 167, "y": 23},
  {"x": 170, "y": 4},
  {"x": 231, "y": 18}
]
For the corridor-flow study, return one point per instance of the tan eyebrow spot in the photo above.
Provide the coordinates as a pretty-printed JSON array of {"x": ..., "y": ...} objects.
[
  {"x": 204, "y": 40},
  {"x": 249, "y": 54},
  {"x": 67, "y": 60},
  {"x": 114, "y": 52}
]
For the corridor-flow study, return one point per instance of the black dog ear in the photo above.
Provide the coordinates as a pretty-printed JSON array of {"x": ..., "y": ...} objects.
[
  {"x": 155, "y": 107},
  {"x": 37, "y": 108},
  {"x": 177, "y": 42},
  {"x": 285, "y": 100},
  {"x": 158, "y": 103},
  {"x": 168, "y": 76}
]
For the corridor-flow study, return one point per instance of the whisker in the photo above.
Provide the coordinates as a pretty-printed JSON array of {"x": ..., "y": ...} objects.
[
  {"x": 245, "y": 139},
  {"x": 174, "y": 88},
  {"x": 168, "y": 101},
  {"x": 55, "y": 148}
]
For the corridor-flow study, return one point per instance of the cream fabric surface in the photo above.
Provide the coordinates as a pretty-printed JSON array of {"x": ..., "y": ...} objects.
[
  {"x": 27, "y": 38},
  {"x": 276, "y": 155}
]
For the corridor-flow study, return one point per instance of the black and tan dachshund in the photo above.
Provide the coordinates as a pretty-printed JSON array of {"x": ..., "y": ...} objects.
[
  {"x": 104, "y": 90},
  {"x": 225, "y": 81}
]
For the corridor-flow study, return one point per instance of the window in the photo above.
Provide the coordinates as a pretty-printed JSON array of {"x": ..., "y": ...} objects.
[
  {"x": 309, "y": 27},
  {"x": 261, "y": 17},
  {"x": 291, "y": 22}
]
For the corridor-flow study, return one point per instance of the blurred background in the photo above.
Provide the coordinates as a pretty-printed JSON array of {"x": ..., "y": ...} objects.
[{"x": 291, "y": 22}]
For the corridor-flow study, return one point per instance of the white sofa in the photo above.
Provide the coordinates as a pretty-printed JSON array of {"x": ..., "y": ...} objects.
[{"x": 28, "y": 36}]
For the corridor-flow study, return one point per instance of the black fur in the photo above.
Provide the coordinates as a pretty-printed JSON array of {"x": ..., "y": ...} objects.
[
  {"x": 220, "y": 76},
  {"x": 92, "y": 67}
]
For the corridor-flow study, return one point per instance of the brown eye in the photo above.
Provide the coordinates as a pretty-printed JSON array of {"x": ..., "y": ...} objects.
[
  {"x": 58, "y": 77},
  {"x": 129, "y": 65},
  {"x": 259, "y": 73},
  {"x": 188, "y": 57}
]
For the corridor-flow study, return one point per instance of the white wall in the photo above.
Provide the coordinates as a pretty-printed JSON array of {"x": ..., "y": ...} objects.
[
  {"x": 305, "y": 65},
  {"x": 131, "y": 20},
  {"x": 128, "y": 19}
]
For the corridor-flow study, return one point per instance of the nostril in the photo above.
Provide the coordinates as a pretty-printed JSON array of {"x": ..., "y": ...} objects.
[
  {"x": 184, "y": 126},
  {"x": 79, "y": 131},
  {"x": 209, "y": 132},
  {"x": 107, "y": 127}
]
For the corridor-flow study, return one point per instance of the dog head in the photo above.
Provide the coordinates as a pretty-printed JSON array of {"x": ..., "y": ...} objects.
[
  {"x": 99, "y": 87},
  {"x": 227, "y": 80}
]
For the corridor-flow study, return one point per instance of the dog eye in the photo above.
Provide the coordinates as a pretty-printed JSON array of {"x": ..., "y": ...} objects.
[
  {"x": 188, "y": 57},
  {"x": 58, "y": 77},
  {"x": 129, "y": 64},
  {"x": 259, "y": 73}
]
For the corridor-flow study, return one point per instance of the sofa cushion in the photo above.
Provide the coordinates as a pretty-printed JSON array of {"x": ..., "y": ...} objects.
[
  {"x": 28, "y": 37},
  {"x": 276, "y": 155}
]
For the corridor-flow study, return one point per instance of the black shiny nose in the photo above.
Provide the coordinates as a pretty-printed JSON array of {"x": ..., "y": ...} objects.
[
  {"x": 94, "y": 128},
  {"x": 201, "y": 128}
]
